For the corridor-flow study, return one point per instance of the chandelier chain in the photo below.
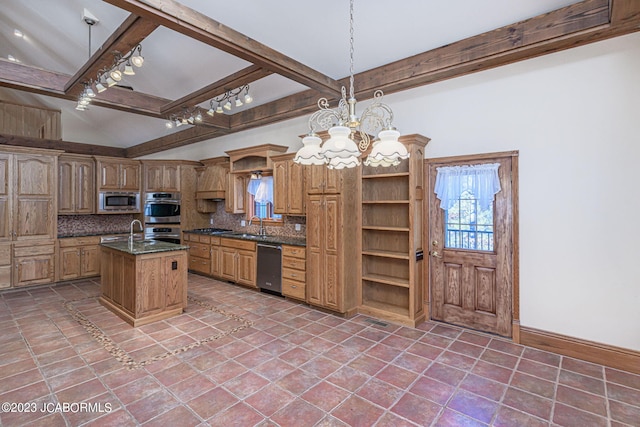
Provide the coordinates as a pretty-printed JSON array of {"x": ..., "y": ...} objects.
[{"x": 351, "y": 78}]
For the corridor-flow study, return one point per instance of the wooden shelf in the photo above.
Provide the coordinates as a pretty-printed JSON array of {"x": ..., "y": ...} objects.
[
  {"x": 381, "y": 309},
  {"x": 386, "y": 175},
  {"x": 385, "y": 202},
  {"x": 381, "y": 228},
  {"x": 386, "y": 254},
  {"x": 386, "y": 280}
]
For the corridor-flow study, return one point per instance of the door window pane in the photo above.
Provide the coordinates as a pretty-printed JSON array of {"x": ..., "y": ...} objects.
[{"x": 467, "y": 226}]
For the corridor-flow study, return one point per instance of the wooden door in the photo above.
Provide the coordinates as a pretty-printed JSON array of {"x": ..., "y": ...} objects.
[
  {"x": 315, "y": 269},
  {"x": 70, "y": 267},
  {"x": 281, "y": 184},
  {"x": 331, "y": 248},
  {"x": 6, "y": 217},
  {"x": 90, "y": 258},
  {"x": 85, "y": 184},
  {"x": 472, "y": 283},
  {"x": 295, "y": 186},
  {"x": 130, "y": 177},
  {"x": 246, "y": 268}
]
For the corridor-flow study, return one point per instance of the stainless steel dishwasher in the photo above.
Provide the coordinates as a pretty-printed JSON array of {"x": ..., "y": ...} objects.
[{"x": 269, "y": 274}]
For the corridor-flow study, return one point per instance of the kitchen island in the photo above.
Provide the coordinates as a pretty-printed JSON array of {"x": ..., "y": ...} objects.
[{"x": 144, "y": 281}]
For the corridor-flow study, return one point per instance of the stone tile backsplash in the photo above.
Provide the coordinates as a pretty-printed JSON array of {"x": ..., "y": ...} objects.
[
  {"x": 79, "y": 225},
  {"x": 222, "y": 219}
]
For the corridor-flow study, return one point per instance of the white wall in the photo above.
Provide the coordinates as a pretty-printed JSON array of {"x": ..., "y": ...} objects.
[{"x": 574, "y": 117}]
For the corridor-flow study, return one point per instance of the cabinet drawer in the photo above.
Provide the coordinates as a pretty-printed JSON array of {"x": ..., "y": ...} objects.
[
  {"x": 238, "y": 244},
  {"x": 5, "y": 254},
  {"x": 79, "y": 241},
  {"x": 293, "y": 274},
  {"x": 215, "y": 240},
  {"x": 294, "y": 289},
  {"x": 200, "y": 265},
  {"x": 295, "y": 263},
  {"x": 293, "y": 251},
  {"x": 199, "y": 250},
  {"x": 5, "y": 276},
  {"x": 33, "y": 249}
]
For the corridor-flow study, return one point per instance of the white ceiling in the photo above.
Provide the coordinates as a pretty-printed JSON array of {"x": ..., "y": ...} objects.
[{"x": 313, "y": 33}]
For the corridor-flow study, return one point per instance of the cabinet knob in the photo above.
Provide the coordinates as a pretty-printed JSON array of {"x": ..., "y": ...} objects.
[{"x": 294, "y": 286}]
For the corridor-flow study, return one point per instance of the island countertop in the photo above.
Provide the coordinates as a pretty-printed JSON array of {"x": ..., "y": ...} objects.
[{"x": 141, "y": 247}]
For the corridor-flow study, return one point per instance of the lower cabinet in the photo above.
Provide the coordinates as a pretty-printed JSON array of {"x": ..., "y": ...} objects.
[
  {"x": 78, "y": 257},
  {"x": 294, "y": 272},
  {"x": 5, "y": 265},
  {"x": 199, "y": 252},
  {"x": 34, "y": 263},
  {"x": 238, "y": 261}
]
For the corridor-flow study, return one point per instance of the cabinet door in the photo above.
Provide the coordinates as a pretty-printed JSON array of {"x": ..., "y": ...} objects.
[
  {"x": 315, "y": 270},
  {"x": 85, "y": 186},
  {"x": 280, "y": 187},
  {"x": 235, "y": 195},
  {"x": 246, "y": 268},
  {"x": 228, "y": 263},
  {"x": 314, "y": 178},
  {"x": 5, "y": 265},
  {"x": 215, "y": 261},
  {"x": 109, "y": 175},
  {"x": 70, "y": 267},
  {"x": 175, "y": 266},
  {"x": 90, "y": 261},
  {"x": 66, "y": 188},
  {"x": 154, "y": 180},
  {"x": 332, "y": 181},
  {"x": 33, "y": 270},
  {"x": 6, "y": 210},
  {"x": 150, "y": 295},
  {"x": 171, "y": 178},
  {"x": 130, "y": 177},
  {"x": 34, "y": 197},
  {"x": 331, "y": 245},
  {"x": 295, "y": 186}
]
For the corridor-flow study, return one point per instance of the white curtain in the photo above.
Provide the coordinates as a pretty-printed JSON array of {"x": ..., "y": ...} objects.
[
  {"x": 261, "y": 189},
  {"x": 481, "y": 180}
]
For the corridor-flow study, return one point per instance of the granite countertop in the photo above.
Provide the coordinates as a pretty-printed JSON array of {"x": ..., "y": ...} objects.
[
  {"x": 70, "y": 235},
  {"x": 270, "y": 238},
  {"x": 144, "y": 247}
]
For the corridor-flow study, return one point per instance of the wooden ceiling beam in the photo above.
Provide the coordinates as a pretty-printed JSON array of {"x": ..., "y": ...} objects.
[
  {"x": 69, "y": 147},
  {"x": 177, "y": 17},
  {"x": 233, "y": 81},
  {"x": 175, "y": 140},
  {"x": 127, "y": 36}
]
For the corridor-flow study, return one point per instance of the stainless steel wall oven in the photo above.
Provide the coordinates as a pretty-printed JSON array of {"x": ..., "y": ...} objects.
[{"x": 162, "y": 217}]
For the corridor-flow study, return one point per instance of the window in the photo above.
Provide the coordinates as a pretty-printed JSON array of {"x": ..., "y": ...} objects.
[
  {"x": 260, "y": 191},
  {"x": 467, "y": 225}
]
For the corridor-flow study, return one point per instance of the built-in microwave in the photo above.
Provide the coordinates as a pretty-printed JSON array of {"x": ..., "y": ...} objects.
[{"x": 118, "y": 202}]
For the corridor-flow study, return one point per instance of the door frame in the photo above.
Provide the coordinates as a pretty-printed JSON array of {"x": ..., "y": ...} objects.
[{"x": 515, "y": 256}]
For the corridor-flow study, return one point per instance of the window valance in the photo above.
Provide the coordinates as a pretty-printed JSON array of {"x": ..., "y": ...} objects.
[
  {"x": 481, "y": 180},
  {"x": 261, "y": 189}
]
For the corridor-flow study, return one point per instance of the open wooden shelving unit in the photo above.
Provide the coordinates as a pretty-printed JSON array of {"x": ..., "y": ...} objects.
[{"x": 391, "y": 238}]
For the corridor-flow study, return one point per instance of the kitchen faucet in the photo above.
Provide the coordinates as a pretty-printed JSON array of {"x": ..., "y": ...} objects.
[
  {"x": 131, "y": 229},
  {"x": 262, "y": 231}
]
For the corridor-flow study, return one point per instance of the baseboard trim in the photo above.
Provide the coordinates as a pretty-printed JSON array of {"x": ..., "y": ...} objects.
[{"x": 603, "y": 354}]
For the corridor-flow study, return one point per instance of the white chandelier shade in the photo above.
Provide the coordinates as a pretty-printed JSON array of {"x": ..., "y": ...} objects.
[{"x": 387, "y": 150}]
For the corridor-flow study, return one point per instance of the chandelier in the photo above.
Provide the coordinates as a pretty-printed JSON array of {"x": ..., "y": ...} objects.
[{"x": 340, "y": 150}]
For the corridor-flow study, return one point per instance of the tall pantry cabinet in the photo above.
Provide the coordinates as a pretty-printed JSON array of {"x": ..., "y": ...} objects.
[
  {"x": 28, "y": 186},
  {"x": 332, "y": 205}
]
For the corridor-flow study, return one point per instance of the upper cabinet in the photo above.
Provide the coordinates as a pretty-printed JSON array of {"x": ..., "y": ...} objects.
[
  {"x": 117, "y": 174},
  {"x": 288, "y": 185},
  {"x": 161, "y": 176},
  {"x": 28, "y": 188},
  {"x": 319, "y": 179},
  {"x": 212, "y": 178},
  {"x": 76, "y": 187},
  {"x": 258, "y": 158}
]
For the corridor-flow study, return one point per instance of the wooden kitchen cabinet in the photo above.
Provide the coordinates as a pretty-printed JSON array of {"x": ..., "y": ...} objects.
[
  {"x": 332, "y": 236},
  {"x": 117, "y": 174},
  {"x": 319, "y": 179},
  {"x": 76, "y": 186},
  {"x": 288, "y": 186},
  {"x": 294, "y": 272},
  {"x": 235, "y": 195},
  {"x": 238, "y": 261},
  {"x": 161, "y": 176},
  {"x": 33, "y": 264},
  {"x": 78, "y": 257},
  {"x": 5, "y": 265},
  {"x": 199, "y": 252}
]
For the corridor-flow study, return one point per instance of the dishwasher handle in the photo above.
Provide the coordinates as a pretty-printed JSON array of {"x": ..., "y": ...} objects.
[{"x": 266, "y": 245}]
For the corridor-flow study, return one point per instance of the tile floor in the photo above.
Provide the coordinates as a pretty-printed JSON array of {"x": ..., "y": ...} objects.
[{"x": 75, "y": 363}]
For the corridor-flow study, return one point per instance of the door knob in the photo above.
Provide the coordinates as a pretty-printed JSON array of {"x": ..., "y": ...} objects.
[{"x": 435, "y": 254}]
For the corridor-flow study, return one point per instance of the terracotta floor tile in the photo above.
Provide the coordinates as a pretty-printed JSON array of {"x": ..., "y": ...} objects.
[
  {"x": 508, "y": 417},
  {"x": 542, "y": 356},
  {"x": 624, "y": 378},
  {"x": 433, "y": 390},
  {"x": 380, "y": 392},
  {"x": 484, "y": 387},
  {"x": 506, "y": 347},
  {"x": 416, "y": 409},
  {"x": 348, "y": 378},
  {"x": 151, "y": 406},
  {"x": 225, "y": 371},
  {"x": 465, "y": 348},
  {"x": 179, "y": 415},
  {"x": 581, "y": 400},
  {"x": 582, "y": 367},
  {"x": 341, "y": 354},
  {"x": 538, "y": 369},
  {"x": 245, "y": 384},
  {"x": 383, "y": 352},
  {"x": 445, "y": 374},
  {"x": 458, "y": 360},
  {"x": 582, "y": 382},
  {"x": 137, "y": 390},
  {"x": 367, "y": 364},
  {"x": 325, "y": 395},
  {"x": 568, "y": 416},
  {"x": 239, "y": 414},
  {"x": 191, "y": 388},
  {"x": 271, "y": 399},
  {"x": 321, "y": 367},
  {"x": 499, "y": 358},
  {"x": 298, "y": 381},
  {"x": 175, "y": 374},
  {"x": 533, "y": 385},
  {"x": 298, "y": 412},
  {"x": 529, "y": 403},
  {"x": 473, "y": 405},
  {"x": 396, "y": 376},
  {"x": 297, "y": 356},
  {"x": 356, "y": 411},
  {"x": 389, "y": 419},
  {"x": 624, "y": 394},
  {"x": 624, "y": 413},
  {"x": 450, "y": 418},
  {"x": 212, "y": 402}
]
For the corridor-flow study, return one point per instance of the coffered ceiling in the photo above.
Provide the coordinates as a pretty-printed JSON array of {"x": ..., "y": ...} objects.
[{"x": 291, "y": 52}]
